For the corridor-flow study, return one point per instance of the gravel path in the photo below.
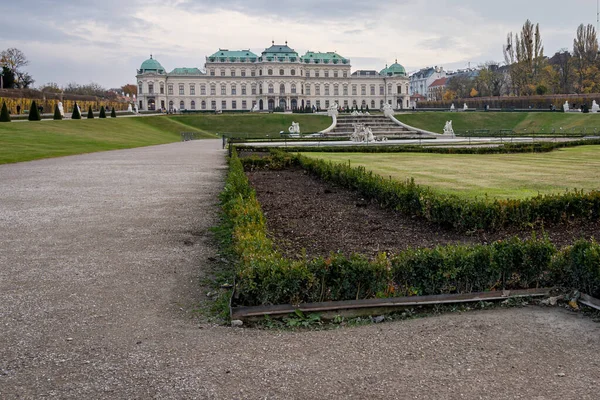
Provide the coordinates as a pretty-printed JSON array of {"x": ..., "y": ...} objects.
[{"x": 100, "y": 261}]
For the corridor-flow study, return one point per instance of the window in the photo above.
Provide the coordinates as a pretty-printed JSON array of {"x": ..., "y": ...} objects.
[
  {"x": 233, "y": 89},
  {"x": 372, "y": 104},
  {"x": 335, "y": 74},
  {"x": 326, "y": 73},
  {"x": 281, "y": 72},
  {"x": 317, "y": 73},
  {"x": 326, "y": 90},
  {"x": 213, "y": 89},
  {"x": 232, "y": 72},
  {"x": 381, "y": 90},
  {"x": 318, "y": 103},
  {"x": 326, "y": 103},
  {"x": 270, "y": 72},
  {"x": 234, "y": 105},
  {"x": 260, "y": 72},
  {"x": 253, "y": 72},
  {"x": 308, "y": 74},
  {"x": 254, "y": 89},
  {"x": 353, "y": 90},
  {"x": 307, "y": 103},
  {"x": 223, "y": 72},
  {"x": 389, "y": 89},
  {"x": 253, "y": 103},
  {"x": 181, "y": 89},
  {"x": 308, "y": 90},
  {"x": 244, "y": 104},
  {"x": 260, "y": 89},
  {"x": 212, "y": 72},
  {"x": 345, "y": 90},
  {"x": 150, "y": 88},
  {"x": 363, "y": 90},
  {"x": 293, "y": 88},
  {"x": 336, "y": 90},
  {"x": 271, "y": 89},
  {"x": 193, "y": 105},
  {"x": 181, "y": 105},
  {"x": 363, "y": 104},
  {"x": 399, "y": 89},
  {"x": 293, "y": 72},
  {"x": 223, "y": 105},
  {"x": 162, "y": 88},
  {"x": 243, "y": 72},
  {"x": 223, "y": 90},
  {"x": 203, "y": 104},
  {"x": 203, "y": 90},
  {"x": 170, "y": 89},
  {"x": 345, "y": 74},
  {"x": 213, "y": 104},
  {"x": 192, "y": 89},
  {"x": 353, "y": 103},
  {"x": 282, "y": 89},
  {"x": 317, "y": 89},
  {"x": 345, "y": 103},
  {"x": 372, "y": 90},
  {"x": 243, "y": 90}
]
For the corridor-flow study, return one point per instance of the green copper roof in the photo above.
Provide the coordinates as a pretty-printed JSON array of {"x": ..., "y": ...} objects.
[
  {"x": 224, "y": 55},
  {"x": 394, "y": 69},
  {"x": 186, "y": 71},
  {"x": 324, "y": 58},
  {"x": 151, "y": 65},
  {"x": 279, "y": 52}
]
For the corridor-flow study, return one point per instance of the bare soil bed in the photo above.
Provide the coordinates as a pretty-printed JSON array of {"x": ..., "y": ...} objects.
[{"x": 308, "y": 216}]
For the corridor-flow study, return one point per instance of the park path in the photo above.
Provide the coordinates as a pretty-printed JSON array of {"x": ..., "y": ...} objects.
[{"x": 100, "y": 261}]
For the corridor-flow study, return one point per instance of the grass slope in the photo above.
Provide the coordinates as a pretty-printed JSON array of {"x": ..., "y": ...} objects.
[
  {"x": 520, "y": 122},
  {"x": 253, "y": 125},
  {"x": 498, "y": 175},
  {"x": 25, "y": 141}
]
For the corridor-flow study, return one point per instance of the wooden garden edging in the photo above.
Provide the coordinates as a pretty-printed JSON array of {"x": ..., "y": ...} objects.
[{"x": 379, "y": 306}]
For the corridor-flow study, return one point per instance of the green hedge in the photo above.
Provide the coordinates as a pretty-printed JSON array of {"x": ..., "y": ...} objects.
[{"x": 264, "y": 276}]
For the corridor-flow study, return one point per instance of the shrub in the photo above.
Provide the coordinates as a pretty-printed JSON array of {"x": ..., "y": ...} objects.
[
  {"x": 4, "y": 114},
  {"x": 34, "y": 112},
  {"x": 102, "y": 112},
  {"x": 90, "y": 114},
  {"x": 76, "y": 112},
  {"x": 57, "y": 115},
  {"x": 113, "y": 113},
  {"x": 578, "y": 267}
]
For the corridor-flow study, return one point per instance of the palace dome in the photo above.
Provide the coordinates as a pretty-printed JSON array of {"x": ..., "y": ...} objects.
[
  {"x": 151, "y": 65},
  {"x": 393, "y": 70}
]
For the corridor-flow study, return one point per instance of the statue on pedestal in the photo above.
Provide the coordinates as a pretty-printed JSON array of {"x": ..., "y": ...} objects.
[
  {"x": 388, "y": 111},
  {"x": 61, "y": 110},
  {"x": 452, "y": 108},
  {"x": 255, "y": 108},
  {"x": 295, "y": 128},
  {"x": 448, "y": 130},
  {"x": 595, "y": 107},
  {"x": 465, "y": 107},
  {"x": 129, "y": 108},
  {"x": 332, "y": 111},
  {"x": 566, "y": 106}
]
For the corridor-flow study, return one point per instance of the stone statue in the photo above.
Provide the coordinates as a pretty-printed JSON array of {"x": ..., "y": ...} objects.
[
  {"x": 362, "y": 134},
  {"x": 452, "y": 108},
  {"x": 388, "y": 111},
  {"x": 135, "y": 108},
  {"x": 332, "y": 111},
  {"x": 465, "y": 107},
  {"x": 295, "y": 128},
  {"x": 354, "y": 113},
  {"x": 78, "y": 109},
  {"x": 255, "y": 108},
  {"x": 129, "y": 108},
  {"x": 448, "y": 130},
  {"x": 595, "y": 107},
  {"x": 566, "y": 106},
  {"x": 61, "y": 110}
]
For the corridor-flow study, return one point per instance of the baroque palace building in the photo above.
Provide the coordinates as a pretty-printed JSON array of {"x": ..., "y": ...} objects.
[{"x": 279, "y": 77}]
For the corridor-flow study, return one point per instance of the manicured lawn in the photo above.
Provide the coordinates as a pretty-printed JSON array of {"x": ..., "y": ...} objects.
[
  {"x": 520, "y": 122},
  {"x": 495, "y": 175},
  {"x": 25, "y": 141},
  {"x": 254, "y": 125}
]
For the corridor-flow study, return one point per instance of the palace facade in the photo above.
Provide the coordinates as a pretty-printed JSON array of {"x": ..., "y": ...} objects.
[{"x": 279, "y": 77}]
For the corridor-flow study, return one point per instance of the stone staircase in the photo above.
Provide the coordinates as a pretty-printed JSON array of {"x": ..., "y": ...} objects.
[{"x": 380, "y": 125}]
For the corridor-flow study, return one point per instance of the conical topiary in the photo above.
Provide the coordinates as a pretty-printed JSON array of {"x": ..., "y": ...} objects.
[
  {"x": 102, "y": 112},
  {"x": 76, "y": 112},
  {"x": 113, "y": 113},
  {"x": 90, "y": 113},
  {"x": 4, "y": 114},
  {"x": 34, "y": 112},
  {"x": 57, "y": 115}
]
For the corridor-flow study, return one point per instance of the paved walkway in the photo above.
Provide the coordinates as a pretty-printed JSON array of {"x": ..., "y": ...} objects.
[{"x": 100, "y": 261}]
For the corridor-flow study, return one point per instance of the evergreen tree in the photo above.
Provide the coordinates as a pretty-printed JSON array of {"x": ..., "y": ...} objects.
[
  {"x": 4, "y": 114},
  {"x": 113, "y": 113},
  {"x": 57, "y": 115},
  {"x": 34, "y": 112},
  {"x": 102, "y": 112},
  {"x": 76, "y": 112},
  {"x": 90, "y": 113}
]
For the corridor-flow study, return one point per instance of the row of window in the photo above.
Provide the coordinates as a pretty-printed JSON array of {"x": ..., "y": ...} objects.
[
  {"x": 233, "y": 89},
  {"x": 270, "y": 72},
  {"x": 244, "y": 104}
]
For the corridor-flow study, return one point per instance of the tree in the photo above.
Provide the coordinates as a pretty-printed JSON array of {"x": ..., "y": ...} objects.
[
  {"x": 90, "y": 113},
  {"x": 8, "y": 78},
  {"x": 34, "y": 112},
  {"x": 113, "y": 113},
  {"x": 129, "y": 89},
  {"x": 490, "y": 80},
  {"x": 14, "y": 59},
  {"x": 563, "y": 66},
  {"x": 4, "y": 114},
  {"x": 50, "y": 87},
  {"x": 449, "y": 95},
  {"x": 91, "y": 89},
  {"x": 57, "y": 115},
  {"x": 461, "y": 85},
  {"x": 525, "y": 56},
  {"x": 102, "y": 112},
  {"x": 585, "y": 56},
  {"x": 76, "y": 112},
  {"x": 473, "y": 93}
]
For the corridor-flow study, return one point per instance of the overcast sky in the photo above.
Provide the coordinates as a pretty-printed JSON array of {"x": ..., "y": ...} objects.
[{"x": 104, "y": 41}]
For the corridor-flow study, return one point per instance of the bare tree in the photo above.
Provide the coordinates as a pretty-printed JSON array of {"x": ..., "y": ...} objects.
[
  {"x": 525, "y": 56},
  {"x": 585, "y": 55},
  {"x": 14, "y": 59}
]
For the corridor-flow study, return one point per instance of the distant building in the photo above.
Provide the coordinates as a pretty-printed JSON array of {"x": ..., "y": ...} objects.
[
  {"x": 279, "y": 77},
  {"x": 436, "y": 90},
  {"x": 421, "y": 80}
]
